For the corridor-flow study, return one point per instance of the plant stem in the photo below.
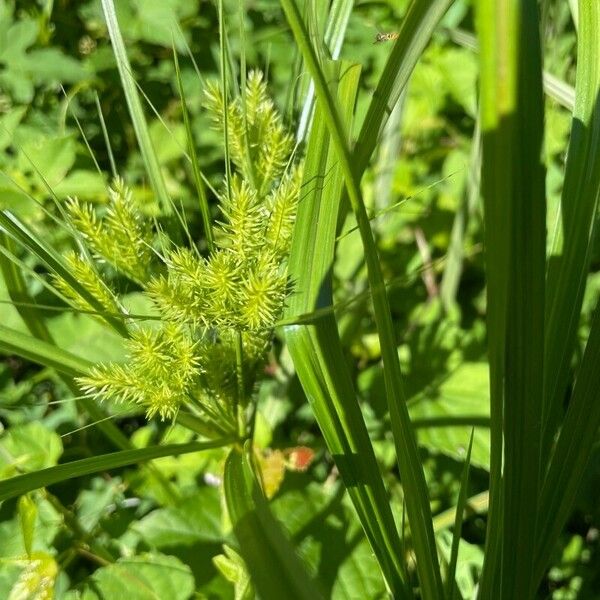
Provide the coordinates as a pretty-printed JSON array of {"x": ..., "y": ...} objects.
[
  {"x": 86, "y": 538},
  {"x": 241, "y": 395}
]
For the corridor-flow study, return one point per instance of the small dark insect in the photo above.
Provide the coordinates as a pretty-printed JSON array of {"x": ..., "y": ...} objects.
[{"x": 386, "y": 37}]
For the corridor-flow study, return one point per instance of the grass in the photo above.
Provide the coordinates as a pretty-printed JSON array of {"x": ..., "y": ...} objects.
[{"x": 544, "y": 415}]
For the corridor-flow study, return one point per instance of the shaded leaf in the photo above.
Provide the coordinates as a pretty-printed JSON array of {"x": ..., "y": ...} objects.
[
  {"x": 195, "y": 519},
  {"x": 445, "y": 414},
  {"x": 28, "y": 447},
  {"x": 142, "y": 577}
]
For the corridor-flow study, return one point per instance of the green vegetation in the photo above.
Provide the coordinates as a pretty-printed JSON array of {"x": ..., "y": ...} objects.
[{"x": 299, "y": 299}]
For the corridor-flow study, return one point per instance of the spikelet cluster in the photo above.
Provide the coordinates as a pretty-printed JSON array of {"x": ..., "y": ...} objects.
[
  {"x": 161, "y": 373},
  {"x": 121, "y": 237},
  {"x": 242, "y": 285},
  {"x": 206, "y": 303},
  {"x": 259, "y": 144},
  {"x": 85, "y": 272}
]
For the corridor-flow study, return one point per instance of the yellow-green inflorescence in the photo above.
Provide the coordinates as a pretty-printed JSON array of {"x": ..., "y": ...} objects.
[{"x": 210, "y": 307}]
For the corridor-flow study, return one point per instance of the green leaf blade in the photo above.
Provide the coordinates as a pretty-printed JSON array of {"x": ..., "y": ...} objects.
[
  {"x": 15, "y": 486},
  {"x": 274, "y": 566},
  {"x": 316, "y": 348},
  {"x": 418, "y": 508},
  {"x": 515, "y": 220},
  {"x": 569, "y": 266},
  {"x": 135, "y": 108}
]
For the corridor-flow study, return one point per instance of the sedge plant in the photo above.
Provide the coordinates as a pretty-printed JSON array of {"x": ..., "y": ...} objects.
[
  {"x": 205, "y": 351},
  {"x": 197, "y": 358}
]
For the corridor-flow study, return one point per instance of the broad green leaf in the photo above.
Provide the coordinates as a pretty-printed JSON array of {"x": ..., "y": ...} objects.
[
  {"x": 196, "y": 519},
  {"x": 8, "y": 124},
  {"x": 24, "y": 66},
  {"x": 9, "y": 575},
  {"x": 444, "y": 415},
  {"x": 97, "y": 499},
  {"x": 16, "y": 37},
  {"x": 47, "y": 158},
  {"x": 51, "y": 65},
  {"x": 330, "y": 539},
  {"x": 169, "y": 143},
  {"x": 470, "y": 560},
  {"x": 460, "y": 74},
  {"x": 142, "y": 577},
  {"x": 28, "y": 448},
  {"x": 155, "y": 23},
  {"x": 85, "y": 185},
  {"x": 357, "y": 578},
  {"x": 15, "y": 200},
  {"x": 298, "y": 509},
  {"x": 87, "y": 337}
]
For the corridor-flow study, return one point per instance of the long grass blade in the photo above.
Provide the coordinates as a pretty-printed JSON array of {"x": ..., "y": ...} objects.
[
  {"x": 335, "y": 31},
  {"x": 574, "y": 8},
  {"x": 135, "y": 108},
  {"x": 198, "y": 181},
  {"x": 458, "y": 521},
  {"x": 413, "y": 479},
  {"x": 41, "y": 352},
  {"x": 573, "y": 448},
  {"x": 559, "y": 90},
  {"x": 316, "y": 347},
  {"x": 11, "y": 226},
  {"x": 514, "y": 203},
  {"x": 223, "y": 62},
  {"x": 570, "y": 260},
  {"x": 15, "y": 486},
  {"x": 271, "y": 559},
  {"x": 18, "y": 293},
  {"x": 417, "y": 26},
  {"x": 111, "y": 157}
]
